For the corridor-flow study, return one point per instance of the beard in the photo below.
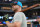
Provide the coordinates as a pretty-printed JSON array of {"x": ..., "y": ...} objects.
[{"x": 14, "y": 9}]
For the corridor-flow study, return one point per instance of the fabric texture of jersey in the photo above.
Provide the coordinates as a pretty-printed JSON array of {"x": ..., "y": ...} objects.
[{"x": 20, "y": 16}]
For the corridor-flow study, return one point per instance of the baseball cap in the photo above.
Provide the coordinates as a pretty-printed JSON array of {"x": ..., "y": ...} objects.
[{"x": 16, "y": 3}]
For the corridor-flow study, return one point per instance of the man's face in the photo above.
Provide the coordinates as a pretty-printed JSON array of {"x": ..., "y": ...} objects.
[
  {"x": 38, "y": 19},
  {"x": 14, "y": 7}
]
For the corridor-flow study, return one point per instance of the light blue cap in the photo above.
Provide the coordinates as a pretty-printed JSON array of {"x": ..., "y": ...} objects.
[{"x": 19, "y": 3}]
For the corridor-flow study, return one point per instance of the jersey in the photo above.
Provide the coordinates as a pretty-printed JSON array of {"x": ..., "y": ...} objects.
[{"x": 20, "y": 16}]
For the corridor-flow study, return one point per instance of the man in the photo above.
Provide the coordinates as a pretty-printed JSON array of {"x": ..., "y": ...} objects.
[
  {"x": 38, "y": 19},
  {"x": 19, "y": 19}
]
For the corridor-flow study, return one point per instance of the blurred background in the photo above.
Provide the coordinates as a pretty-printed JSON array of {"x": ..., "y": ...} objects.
[{"x": 6, "y": 14}]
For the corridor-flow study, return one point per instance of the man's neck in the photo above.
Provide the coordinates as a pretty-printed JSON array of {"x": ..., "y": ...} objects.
[{"x": 18, "y": 10}]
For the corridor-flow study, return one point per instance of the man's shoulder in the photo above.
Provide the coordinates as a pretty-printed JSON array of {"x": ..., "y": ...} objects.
[{"x": 19, "y": 13}]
